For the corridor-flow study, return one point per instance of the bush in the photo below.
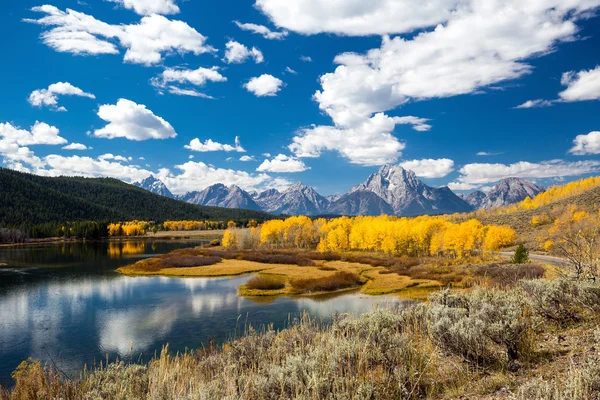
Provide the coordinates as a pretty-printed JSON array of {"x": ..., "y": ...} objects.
[
  {"x": 261, "y": 282},
  {"x": 561, "y": 301},
  {"x": 485, "y": 325},
  {"x": 215, "y": 243},
  {"x": 521, "y": 255},
  {"x": 507, "y": 275},
  {"x": 339, "y": 280},
  {"x": 184, "y": 261}
]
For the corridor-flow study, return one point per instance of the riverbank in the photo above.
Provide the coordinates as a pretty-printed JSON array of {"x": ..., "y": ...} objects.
[
  {"x": 534, "y": 340},
  {"x": 161, "y": 235},
  {"x": 294, "y": 273}
]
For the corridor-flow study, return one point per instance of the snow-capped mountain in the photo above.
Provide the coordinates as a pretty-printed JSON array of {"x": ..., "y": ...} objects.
[
  {"x": 298, "y": 199},
  {"x": 219, "y": 195},
  {"x": 392, "y": 190},
  {"x": 510, "y": 191},
  {"x": 475, "y": 199},
  {"x": 360, "y": 203},
  {"x": 155, "y": 186},
  {"x": 408, "y": 196}
]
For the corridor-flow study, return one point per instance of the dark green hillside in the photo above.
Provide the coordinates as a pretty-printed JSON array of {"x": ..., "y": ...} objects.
[{"x": 31, "y": 199}]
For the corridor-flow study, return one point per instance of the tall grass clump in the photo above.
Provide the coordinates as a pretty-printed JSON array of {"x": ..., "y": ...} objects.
[
  {"x": 337, "y": 281},
  {"x": 261, "y": 282}
]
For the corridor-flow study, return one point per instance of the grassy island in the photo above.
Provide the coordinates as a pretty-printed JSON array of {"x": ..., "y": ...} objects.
[{"x": 287, "y": 272}]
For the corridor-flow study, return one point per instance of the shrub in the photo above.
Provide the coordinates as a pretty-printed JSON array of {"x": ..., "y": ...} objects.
[
  {"x": 184, "y": 261},
  {"x": 485, "y": 325},
  {"x": 261, "y": 282},
  {"x": 215, "y": 243},
  {"x": 339, "y": 280},
  {"x": 521, "y": 255},
  {"x": 506, "y": 275},
  {"x": 561, "y": 301}
]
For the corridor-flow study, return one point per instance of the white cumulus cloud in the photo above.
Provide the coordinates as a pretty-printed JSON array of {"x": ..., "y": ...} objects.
[
  {"x": 282, "y": 163},
  {"x": 357, "y": 17},
  {"x": 581, "y": 86},
  {"x": 370, "y": 143},
  {"x": 49, "y": 97},
  {"x": 237, "y": 53},
  {"x": 145, "y": 42},
  {"x": 264, "y": 85},
  {"x": 210, "y": 145},
  {"x": 430, "y": 168},
  {"x": 132, "y": 121},
  {"x": 586, "y": 144},
  {"x": 247, "y": 158},
  {"x": 180, "y": 81},
  {"x": 148, "y": 7},
  {"x": 536, "y": 103},
  {"x": 75, "y": 146},
  {"x": 262, "y": 30}
]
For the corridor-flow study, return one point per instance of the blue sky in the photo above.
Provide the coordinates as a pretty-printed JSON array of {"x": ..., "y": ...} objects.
[{"x": 329, "y": 95}]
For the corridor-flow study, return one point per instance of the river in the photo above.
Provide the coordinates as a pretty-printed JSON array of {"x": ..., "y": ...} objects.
[{"x": 64, "y": 304}]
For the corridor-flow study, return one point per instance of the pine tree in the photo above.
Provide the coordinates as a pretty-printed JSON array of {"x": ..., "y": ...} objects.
[{"x": 521, "y": 255}]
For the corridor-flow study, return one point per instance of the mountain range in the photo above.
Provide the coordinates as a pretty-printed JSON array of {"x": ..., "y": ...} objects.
[{"x": 392, "y": 190}]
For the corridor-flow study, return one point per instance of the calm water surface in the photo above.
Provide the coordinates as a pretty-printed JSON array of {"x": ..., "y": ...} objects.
[{"x": 64, "y": 303}]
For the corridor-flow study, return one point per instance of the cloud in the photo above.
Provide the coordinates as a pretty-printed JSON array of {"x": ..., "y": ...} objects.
[
  {"x": 581, "y": 86},
  {"x": 148, "y": 7},
  {"x": 14, "y": 142},
  {"x": 291, "y": 71},
  {"x": 262, "y": 30},
  {"x": 470, "y": 51},
  {"x": 359, "y": 18},
  {"x": 370, "y": 143},
  {"x": 536, "y": 103},
  {"x": 282, "y": 163},
  {"x": 184, "y": 78},
  {"x": 145, "y": 42},
  {"x": 209, "y": 145},
  {"x": 132, "y": 121},
  {"x": 306, "y": 58},
  {"x": 418, "y": 124},
  {"x": 477, "y": 174},
  {"x": 110, "y": 156},
  {"x": 430, "y": 168},
  {"x": 487, "y": 153},
  {"x": 586, "y": 144},
  {"x": 76, "y": 146},
  {"x": 198, "y": 175},
  {"x": 264, "y": 85},
  {"x": 56, "y": 165},
  {"x": 247, "y": 158},
  {"x": 237, "y": 53},
  {"x": 49, "y": 97}
]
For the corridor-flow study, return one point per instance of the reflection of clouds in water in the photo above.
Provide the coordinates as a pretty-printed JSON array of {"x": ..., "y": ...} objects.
[
  {"x": 132, "y": 331},
  {"x": 14, "y": 316},
  {"x": 354, "y": 303},
  {"x": 212, "y": 302}
]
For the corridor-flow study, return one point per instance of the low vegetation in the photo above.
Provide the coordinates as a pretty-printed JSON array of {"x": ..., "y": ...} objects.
[
  {"x": 262, "y": 282},
  {"x": 488, "y": 343},
  {"x": 337, "y": 281}
]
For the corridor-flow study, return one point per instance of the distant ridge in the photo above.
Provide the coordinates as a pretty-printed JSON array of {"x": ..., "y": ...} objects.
[{"x": 33, "y": 199}]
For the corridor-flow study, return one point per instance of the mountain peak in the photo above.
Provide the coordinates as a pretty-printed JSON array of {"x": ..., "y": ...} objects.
[{"x": 154, "y": 185}]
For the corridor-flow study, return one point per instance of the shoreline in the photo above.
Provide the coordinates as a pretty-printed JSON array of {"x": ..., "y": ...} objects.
[{"x": 163, "y": 235}]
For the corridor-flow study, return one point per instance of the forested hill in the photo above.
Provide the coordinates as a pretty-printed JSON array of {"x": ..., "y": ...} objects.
[{"x": 32, "y": 199}]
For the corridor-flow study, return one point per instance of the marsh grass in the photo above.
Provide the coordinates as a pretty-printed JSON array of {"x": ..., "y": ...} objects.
[
  {"x": 337, "y": 281},
  {"x": 265, "y": 282}
]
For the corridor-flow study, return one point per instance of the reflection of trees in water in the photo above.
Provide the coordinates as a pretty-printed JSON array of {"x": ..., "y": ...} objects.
[{"x": 119, "y": 249}]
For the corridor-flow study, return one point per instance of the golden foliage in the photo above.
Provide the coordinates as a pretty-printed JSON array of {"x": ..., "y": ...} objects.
[
  {"x": 421, "y": 236},
  {"x": 192, "y": 225},
  {"x": 131, "y": 228},
  {"x": 553, "y": 194}
]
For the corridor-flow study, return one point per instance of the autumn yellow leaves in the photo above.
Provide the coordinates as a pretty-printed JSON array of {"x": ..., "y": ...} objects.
[{"x": 421, "y": 236}]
